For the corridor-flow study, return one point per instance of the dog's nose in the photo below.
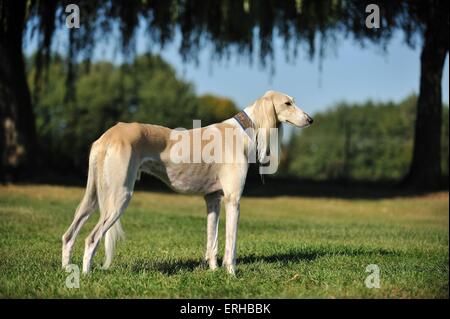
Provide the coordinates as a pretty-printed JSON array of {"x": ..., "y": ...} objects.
[{"x": 310, "y": 120}]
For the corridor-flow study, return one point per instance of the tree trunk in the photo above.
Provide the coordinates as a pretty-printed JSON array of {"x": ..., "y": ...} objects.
[
  {"x": 425, "y": 169},
  {"x": 18, "y": 141}
]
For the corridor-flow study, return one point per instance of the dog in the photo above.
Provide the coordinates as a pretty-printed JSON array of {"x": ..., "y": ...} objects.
[{"x": 125, "y": 150}]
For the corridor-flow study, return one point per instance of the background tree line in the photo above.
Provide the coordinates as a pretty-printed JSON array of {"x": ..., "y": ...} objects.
[
  {"x": 369, "y": 141},
  {"x": 146, "y": 90},
  {"x": 240, "y": 27}
]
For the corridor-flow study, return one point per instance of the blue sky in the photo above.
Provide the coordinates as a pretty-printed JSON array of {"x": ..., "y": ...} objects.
[{"x": 349, "y": 73}]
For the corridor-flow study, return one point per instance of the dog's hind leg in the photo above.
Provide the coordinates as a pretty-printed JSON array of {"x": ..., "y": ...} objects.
[
  {"x": 115, "y": 209},
  {"x": 213, "y": 202},
  {"x": 119, "y": 177},
  {"x": 84, "y": 210},
  {"x": 86, "y": 207}
]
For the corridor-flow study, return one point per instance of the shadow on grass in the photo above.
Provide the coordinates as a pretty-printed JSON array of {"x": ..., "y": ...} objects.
[
  {"x": 343, "y": 189},
  {"x": 171, "y": 267},
  {"x": 299, "y": 255},
  {"x": 273, "y": 186}
]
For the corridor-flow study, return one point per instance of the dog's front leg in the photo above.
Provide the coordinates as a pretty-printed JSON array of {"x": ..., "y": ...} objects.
[
  {"x": 213, "y": 211},
  {"x": 232, "y": 220}
]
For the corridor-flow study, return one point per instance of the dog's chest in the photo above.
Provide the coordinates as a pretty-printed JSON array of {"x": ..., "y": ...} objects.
[{"x": 184, "y": 177}]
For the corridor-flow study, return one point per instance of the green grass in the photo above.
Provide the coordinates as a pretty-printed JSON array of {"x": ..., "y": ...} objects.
[{"x": 288, "y": 247}]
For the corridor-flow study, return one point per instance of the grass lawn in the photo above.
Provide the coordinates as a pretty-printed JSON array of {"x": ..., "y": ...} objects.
[{"x": 288, "y": 247}]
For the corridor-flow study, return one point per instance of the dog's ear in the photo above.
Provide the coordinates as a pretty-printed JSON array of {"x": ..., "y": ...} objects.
[
  {"x": 266, "y": 118},
  {"x": 264, "y": 112}
]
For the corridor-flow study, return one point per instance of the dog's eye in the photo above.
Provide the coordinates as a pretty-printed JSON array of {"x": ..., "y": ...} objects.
[{"x": 288, "y": 103}]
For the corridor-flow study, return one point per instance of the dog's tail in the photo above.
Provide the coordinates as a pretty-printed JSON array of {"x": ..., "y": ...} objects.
[
  {"x": 89, "y": 203},
  {"x": 90, "y": 194},
  {"x": 112, "y": 235}
]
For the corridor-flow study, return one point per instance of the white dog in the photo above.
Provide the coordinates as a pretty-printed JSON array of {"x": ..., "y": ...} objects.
[{"x": 122, "y": 152}]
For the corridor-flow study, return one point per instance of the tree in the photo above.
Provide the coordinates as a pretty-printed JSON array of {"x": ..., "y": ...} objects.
[
  {"x": 230, "y": 27},
  {"x": 16, "y": 112},
  {"x": 425, "y": 171},
  {"x": 213, "y": 109}
]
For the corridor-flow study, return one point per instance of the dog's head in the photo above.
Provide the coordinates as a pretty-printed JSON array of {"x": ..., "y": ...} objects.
[{"x": 281, "y": 108}]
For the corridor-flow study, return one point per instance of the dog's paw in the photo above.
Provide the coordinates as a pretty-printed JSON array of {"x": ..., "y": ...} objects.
[{"x": 231, "y": 270}]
